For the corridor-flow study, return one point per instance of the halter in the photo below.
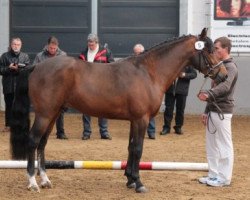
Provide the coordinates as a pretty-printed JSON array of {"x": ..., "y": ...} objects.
[
  {"x": 209, "y": 65},
  {"x": 200, "y": 45}
]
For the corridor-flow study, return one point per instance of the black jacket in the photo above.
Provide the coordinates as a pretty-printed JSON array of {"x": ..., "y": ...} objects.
[
  {"x": 9, "y": 75},
  {"x": 182, "y": 84}
]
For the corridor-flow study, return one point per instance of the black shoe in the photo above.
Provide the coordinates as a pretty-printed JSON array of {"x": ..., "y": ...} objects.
[
  {"x": 152, "y": 137},
  {"x": 85, "y": 137},
  {"x": 178, "y": 130},
  {"x": 165, "y": 131},
  {"x": 106, "y": 137},
  {"x": 62, "y": 137}
]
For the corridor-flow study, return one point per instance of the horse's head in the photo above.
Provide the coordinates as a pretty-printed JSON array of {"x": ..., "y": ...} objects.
[{"x": 205, "y": 61}]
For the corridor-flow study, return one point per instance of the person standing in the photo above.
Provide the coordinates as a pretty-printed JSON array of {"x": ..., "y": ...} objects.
[
  {"x": 176, "y": 96},
  {"x": 10, "y": 63},
  {"x": 217, "y": 119},
  {"x": 52, "y": 49},
  {"x": 139, "y": 48},
  {"x": 95, "y": 53}
]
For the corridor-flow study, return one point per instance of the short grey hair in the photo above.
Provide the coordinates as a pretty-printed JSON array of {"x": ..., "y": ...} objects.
[
  {"x": 138, "y": 49},
  {"x": 93, "y": 37}
]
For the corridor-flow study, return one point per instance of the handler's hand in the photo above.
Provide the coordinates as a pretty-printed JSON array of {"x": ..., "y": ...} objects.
[
  {"x": 204, "y": 119},
  {"x": 203, "y": 96}
]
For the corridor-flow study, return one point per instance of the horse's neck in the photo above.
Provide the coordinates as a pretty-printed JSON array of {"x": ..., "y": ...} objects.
[{"x": 168, "y": 66}]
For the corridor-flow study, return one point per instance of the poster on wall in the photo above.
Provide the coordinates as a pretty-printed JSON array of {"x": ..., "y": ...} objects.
[{"x": 231, "y": 18}]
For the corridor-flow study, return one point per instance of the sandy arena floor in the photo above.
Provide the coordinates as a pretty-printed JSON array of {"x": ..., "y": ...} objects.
[{"x": 110, "y": 184}]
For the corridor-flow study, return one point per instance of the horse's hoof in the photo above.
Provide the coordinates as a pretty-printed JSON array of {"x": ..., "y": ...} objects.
[
  {"x": 34, "y": 188},
  {"x": 46, "y": 184},
  {"x": 141, "y": 189},
  {"x": 131, "y": 185}
]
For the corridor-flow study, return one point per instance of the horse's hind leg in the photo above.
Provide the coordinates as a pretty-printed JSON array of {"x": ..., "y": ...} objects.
[
  {"x": 137, "y": 132},
  {"x": 45, "y": 182},
  {"x": 37, "y": 132}
]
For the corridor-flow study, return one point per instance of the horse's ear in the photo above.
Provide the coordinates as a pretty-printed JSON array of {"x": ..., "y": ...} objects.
[{"x": 203, "y": 34}]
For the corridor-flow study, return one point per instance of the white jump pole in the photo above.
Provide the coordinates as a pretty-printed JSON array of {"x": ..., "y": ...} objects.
[{"x": 116, "y": 165}]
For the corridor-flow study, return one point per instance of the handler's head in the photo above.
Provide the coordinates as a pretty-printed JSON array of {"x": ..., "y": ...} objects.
[{"x": 222, "y": 46}]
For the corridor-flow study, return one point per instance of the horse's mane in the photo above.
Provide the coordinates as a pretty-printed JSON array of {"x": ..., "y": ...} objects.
[
  {"x": 166, "y": 46},
  {"x": 168, "y": 42}
]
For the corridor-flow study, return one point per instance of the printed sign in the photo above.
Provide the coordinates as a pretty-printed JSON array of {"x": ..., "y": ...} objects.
[{"x": 231, "y": 18}]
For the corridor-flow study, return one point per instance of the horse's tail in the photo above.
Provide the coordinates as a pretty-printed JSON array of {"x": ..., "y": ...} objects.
[{"x": 20, "y": 121}]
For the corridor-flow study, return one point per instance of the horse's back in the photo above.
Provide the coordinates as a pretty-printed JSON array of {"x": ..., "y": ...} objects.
[{"x": 106, "y": 90}]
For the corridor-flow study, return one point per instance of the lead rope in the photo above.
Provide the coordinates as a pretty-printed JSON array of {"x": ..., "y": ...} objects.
[{"x": 220, "y": 113}]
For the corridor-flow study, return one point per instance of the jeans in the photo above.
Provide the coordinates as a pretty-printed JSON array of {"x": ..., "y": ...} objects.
[
  {"x": 151, "y": 127},
  {"x": 102, "y": 122}
]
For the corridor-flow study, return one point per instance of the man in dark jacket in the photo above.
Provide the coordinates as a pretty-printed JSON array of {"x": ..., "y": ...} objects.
[
  {"x": 10, "y": 64},
  {"x": 52, "y": 49},
  {"x": 177, "y": 93},
  {"x": 95, "y": 53}
]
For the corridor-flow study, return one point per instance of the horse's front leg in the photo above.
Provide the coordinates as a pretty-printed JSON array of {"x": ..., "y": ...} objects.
[
  {"x": 128, "y": 170},
  {"x": 137, "y": 133},
  {"x": 45, "y": 182}
]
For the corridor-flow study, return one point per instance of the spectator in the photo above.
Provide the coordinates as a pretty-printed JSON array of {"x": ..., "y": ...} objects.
[
  {"x": 139, "y": 48},
  {"x": 52, "y": 49},
  {"x": 10, "y": 62},
  {"x": 176, "y": 96},
  {"x": 217, "y": 119},
  {"x": 95, "y": 53}
]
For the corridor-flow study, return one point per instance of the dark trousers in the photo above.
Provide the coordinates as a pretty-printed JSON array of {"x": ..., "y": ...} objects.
[
  {"x": 8, "y": 98},
  {"x": 60, "y": 124},
  {"x": 102, "y": 122},
  {"x": 151, "y": 127},
  {"x": 170, "y": 101}
]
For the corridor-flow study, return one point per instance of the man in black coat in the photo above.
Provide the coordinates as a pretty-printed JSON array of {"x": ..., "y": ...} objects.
[
  {"x": 10, "y": 64},
  {"x": 177, "y": 95}
]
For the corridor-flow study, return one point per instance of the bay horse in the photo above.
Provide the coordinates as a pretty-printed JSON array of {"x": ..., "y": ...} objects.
[{"x": 129, "y": 89}]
